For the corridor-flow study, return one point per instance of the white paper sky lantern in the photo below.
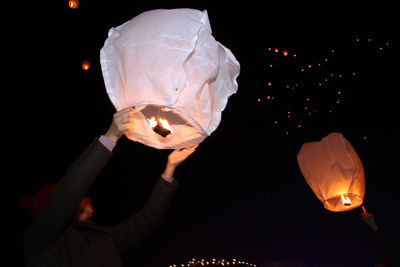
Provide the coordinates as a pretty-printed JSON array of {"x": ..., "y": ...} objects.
[
  {"x": 334, "y": 172},
  {"x": 168, "y": 65}
]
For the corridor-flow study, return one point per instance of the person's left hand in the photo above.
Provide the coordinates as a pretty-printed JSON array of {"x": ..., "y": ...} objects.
[{"x": 179, "y": 155}]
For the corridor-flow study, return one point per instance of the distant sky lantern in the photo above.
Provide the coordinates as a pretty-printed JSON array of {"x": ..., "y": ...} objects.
[
  {"x": 168, "y": 65},
  {"x": 334, "y": 172},
  {"x": 85, "y": 65},
  {"x": 73, "y": 4}
]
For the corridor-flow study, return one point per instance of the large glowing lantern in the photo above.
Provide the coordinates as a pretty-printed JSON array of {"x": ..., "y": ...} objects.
[
  {"x": 334, "y": 172},
  {"x": 168, "y": 65}
]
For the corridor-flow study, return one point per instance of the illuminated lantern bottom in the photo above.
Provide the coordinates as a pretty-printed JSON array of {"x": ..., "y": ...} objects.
[
  {"x": 161, "y": 126},
  {"x": 343, "y": 202}
]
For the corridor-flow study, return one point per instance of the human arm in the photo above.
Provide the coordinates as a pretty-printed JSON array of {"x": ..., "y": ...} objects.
[
  {"x": 60, "y": 207},
  {"x": 139, "y": 226},
  {"x": 389, "y": 248}
]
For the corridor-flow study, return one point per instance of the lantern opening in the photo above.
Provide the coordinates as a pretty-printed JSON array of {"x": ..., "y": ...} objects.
[
  {"x": 161, "y": 127},
  {"x": 343, "y": 202}
]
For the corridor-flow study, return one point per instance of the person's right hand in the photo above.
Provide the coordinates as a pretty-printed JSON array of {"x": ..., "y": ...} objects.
[
  {"x": 368, "y": 218},
  {"x": 120, "y": 122}
]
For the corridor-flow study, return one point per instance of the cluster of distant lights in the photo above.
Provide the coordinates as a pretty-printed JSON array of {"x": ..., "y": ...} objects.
[
  {"x": 295, "y": 85},
  {"x": 322, "y": 82},
  {"x": 213, "y": 262}
]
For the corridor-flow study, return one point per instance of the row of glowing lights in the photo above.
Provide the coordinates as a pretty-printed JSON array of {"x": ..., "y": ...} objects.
[
  {"x": 307, "y": 109},
  {"x": 271, "y": 98},
  {"x": 320, "y": 84},
  {"x": 222, "y": 262},
  {"x": 285, "y": 52},
  {"x": 325, "y": 80}
]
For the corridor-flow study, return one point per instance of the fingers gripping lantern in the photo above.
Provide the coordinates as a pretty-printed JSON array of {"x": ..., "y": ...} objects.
[{"x": 168, "y": 65}]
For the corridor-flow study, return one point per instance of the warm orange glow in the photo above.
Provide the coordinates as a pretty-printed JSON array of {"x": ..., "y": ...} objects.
[
  {"x": 164, "y": 123},
  {"x": 152, "y": 121},
  {"x": 285, "y": 53},
  {"x": 73, "y": 4},
  {"x": 85, "y": 65},
  {"x": 346, "y": 200}
]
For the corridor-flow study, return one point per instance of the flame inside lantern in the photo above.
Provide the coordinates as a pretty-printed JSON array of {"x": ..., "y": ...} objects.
[
  {"x": 165, "y": 124},
  {"x": 346, "y": 200},
  {"x": 161, "y": 126},
  {"x": 73, "y": 4}
]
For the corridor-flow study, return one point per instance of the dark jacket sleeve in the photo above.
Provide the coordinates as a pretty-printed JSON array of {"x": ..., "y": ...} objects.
[
  {"x": 389, "y": 248},
  {"x": 139, "y": 226},
  {"x": 59, "y": 209}
]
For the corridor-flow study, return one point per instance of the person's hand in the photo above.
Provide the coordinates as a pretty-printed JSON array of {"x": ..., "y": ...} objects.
[
  {"x": 179, "y": 155},
  {"x": 368, "y": 218},
  {"x": 175, "y": 158},
  {"x": 120, "y": 122}
]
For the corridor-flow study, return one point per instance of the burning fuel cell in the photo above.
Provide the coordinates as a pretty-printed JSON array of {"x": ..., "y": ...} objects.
[
  {"x": 160, "y": 127},
  {"x": 346, "y": 200}
]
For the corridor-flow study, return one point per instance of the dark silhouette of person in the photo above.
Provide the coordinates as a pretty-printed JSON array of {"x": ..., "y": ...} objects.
[
  {"x": 62, "y": 233},
  {"x": 390, "y": 250}
]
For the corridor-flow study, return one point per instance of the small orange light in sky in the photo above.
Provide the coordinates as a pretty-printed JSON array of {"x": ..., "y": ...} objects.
[
  {"x": 85, "y": 65},
  {"x": 73, "y": 4}
]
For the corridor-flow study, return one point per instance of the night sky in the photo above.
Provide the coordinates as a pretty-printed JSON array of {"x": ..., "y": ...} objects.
[{"x": 241, "y": 195}]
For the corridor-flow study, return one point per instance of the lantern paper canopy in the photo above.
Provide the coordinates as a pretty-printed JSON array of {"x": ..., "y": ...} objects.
[
  {"x": 168, "y": 65},
  {"x": 334, "y": 172}
]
